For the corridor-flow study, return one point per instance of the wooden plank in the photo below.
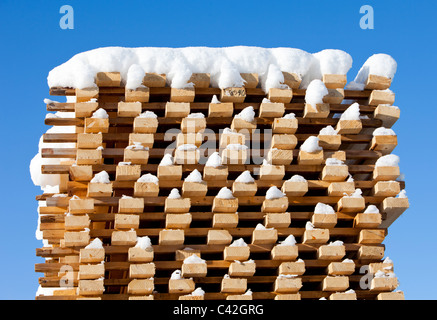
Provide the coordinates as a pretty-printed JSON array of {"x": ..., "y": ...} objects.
[
  {"x": 203, "y": 248},
  {"x": 314, "y": 295},
  {"x": 208, "y": 200},
  {"x": 51, "y": 222},
  {"x": 209, "y": 280},
  {"x": 261, "y": 184},
  {"x": 58, "y": 169},
  {"x": 173, "y": 265},
  {"x": 161, "y": 137},
  {"x": 297, "y": 107},
  {"x": 203, "y": 232},
  {"x": 159, "y": 153},
  {"x": 213, "y": 121},
  {"x": 62, "y": 91}
]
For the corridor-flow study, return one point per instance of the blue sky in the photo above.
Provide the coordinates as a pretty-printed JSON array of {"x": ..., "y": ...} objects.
[{"x": 33, "y": 44}]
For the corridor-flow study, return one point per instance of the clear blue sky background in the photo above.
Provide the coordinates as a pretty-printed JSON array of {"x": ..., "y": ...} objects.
[{"x": 32, "y": 43}]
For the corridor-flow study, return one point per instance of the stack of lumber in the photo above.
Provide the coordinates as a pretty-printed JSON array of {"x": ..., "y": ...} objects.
[{"x": 327, "y": 261}]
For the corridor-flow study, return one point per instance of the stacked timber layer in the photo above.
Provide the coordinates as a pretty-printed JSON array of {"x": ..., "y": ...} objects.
[{"x": 117, "y": 229}]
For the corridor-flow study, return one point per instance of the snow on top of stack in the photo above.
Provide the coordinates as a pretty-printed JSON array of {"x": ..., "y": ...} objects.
[
  {"x": 238, "y": 243},
  {"x": 101, "y": 177},
  {"x": 402, "y": 194},
  {"x": 176, "y": 275},
  {"x": 381, "y": 131},
  {"x": 371, "y": 209},
  {"x": 135, "y": 75},
  {"x": 297, "y": 178},
  {"x": 389, "y": 160},
  {"x": 223, "y": 64},
  {"x": 347, "y": 260},
  {"x": 245, "y": 177},
  {"x": 329, "y": 61},
  {"x": 147, "y": 114},
  {"x": 273, "y": 79},
  {"x": 336, "y": 243},
  {"x": 187, "y": 147},
  {"x": 356, "y": 194},
  {"x": 315, "y": 92},
  {"x": 148, "y": 177},
  {"x": 49, "y": 101},
  {"x": 274, "y": 193},
  {"x": 225, "y": 193},
  {"x": 311, "y": 145},
  {"x": 324, "y": 208},
  {"x": 309, "y": 226},
  {"x": 334, "y": 61},
  {"x": 194, "y": 259},
  {"x": 387, "y": 260},
  {"x": 287, "y": 276},
  {"x": 215, "y": 99},
  {"x": 289, "y": 241},
  {"x": 328, "y": 131},
  {"x": 174, "y": 194},
  {"x": 247, "y": 114},
  {"x": 100, "y": 114},
  {"x": 95, "y": 244},
  {"x": 382, "y": 274},
  {"x": 290, "y": 115},
  {"x": 248, "y": 292},
  {"x": 194, "y": 176},
  {"x": 236, "y": 146},
  {"x": 230, "y": 131},
  {"x": 143, "y": 242},
  {"x": 351, "y": 113},
  {"x": 137, "y": 146},
  {"x": 334, "y": 162},
  {"x": 59, "y": 114},
  {"x": 196, "y": 115},
  {"x": 259, "y": 226},
  {"x": 198, "y": 292},
  {"x": 214, "y": 160},
  {"x": 379, "y": 65},
  {"x": 266, "y": 163},
  {"x": 244, "y": 262},
  {"x": 167, "y": 160}
]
